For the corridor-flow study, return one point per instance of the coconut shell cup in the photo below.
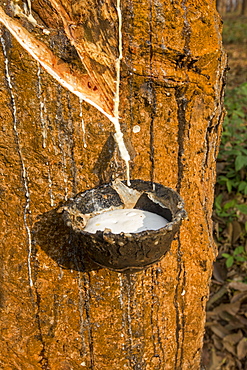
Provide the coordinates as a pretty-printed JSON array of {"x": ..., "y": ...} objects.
[{"x": 125, "y": 252}]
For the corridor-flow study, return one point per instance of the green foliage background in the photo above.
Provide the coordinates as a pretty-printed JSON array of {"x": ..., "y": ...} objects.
[{"x": 231, "y": 187}]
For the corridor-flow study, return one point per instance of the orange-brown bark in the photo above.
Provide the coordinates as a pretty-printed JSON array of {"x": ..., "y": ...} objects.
[{"x": 55, "y": 313}]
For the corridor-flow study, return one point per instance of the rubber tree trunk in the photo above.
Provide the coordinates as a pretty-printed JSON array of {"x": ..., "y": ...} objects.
[{"x": 55, "y": 313}]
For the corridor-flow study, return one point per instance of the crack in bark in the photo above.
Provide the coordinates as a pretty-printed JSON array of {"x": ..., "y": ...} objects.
[
  {"x": 87, "y": 285},
  {"x": 152, "y": 95},
  {"x": 44, "y": 359},
  {"x": 151, "y": 131},
  {"x": 122, "y": 306},
  {"x": 179, "y": 308},
  {"x": 130, "y": 70},
  {"x": 55, "y": 316},
  {"x": 182, "y": 123},
  {"x": 80, "y": 309},
  {"x": 36, "y": 297},
  {"x": 128, "y": 286},
  {"x": 155, "y": 303},
  {"x": 181, "y": 101},
  {"x": 134, "y": 350},
  {"x": 72, "y": 146},
  {"x": 152, "y": 320}
]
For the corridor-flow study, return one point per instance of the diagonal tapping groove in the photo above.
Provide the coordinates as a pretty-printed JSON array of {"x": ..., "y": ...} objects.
[
  {"x": 98, "y": 87},
  {"x": 90, "y": 54},
  {"x": 76, "y": 82}
]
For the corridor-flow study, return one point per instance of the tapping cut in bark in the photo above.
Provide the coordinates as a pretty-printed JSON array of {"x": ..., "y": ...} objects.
[
  {"x": 79, "y": 84},
  {"x": 90, "y": 88}
]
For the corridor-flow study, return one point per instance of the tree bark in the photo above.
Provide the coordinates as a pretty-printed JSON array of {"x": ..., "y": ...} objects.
[{"x": 55, "y": 313}]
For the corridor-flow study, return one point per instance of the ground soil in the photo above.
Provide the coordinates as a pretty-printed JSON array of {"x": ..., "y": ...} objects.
[{"x": 237, "y": 61}]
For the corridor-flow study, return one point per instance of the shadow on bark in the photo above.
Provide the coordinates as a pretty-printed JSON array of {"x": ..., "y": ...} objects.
[
  {"x": 104, "y": 158},
  {"x": 60, "y": 244}
]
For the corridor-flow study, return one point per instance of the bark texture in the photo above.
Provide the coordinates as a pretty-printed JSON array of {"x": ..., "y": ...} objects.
[{"x": 56, "y": 313}]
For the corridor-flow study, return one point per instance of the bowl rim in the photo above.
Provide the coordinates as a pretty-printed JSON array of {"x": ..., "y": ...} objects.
[{"x": 177, "y": 217}]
